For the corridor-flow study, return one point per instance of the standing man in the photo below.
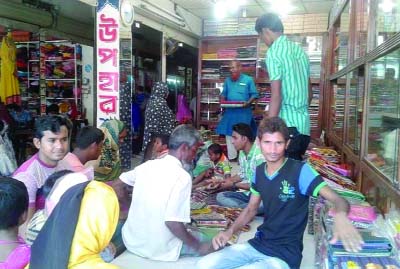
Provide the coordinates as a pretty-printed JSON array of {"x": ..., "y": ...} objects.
[
  {"x": 289, "y": 71},
  {"x": 51, "y": 139},
  {"x": 284, "y": 186},
  {"x": 238, "y": 87},
  {"x": 155, "y": 228}
]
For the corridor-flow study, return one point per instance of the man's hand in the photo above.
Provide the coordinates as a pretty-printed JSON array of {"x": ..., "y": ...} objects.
[
  {"x": 226, "y": 184},
  {"x": 205, "y": 248},
  {"x": 208, "y": 173},
  {"x": 344, "y": 230},
  {"x": 220, "y": 240}
]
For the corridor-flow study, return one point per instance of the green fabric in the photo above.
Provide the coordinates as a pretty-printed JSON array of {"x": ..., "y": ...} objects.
[
  {"x": 108, "y": 166},
  {"x": 287, "y": 62},
  {"x": 249, "y": 163}
]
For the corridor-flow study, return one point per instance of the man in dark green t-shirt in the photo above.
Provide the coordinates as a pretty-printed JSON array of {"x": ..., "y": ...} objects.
[
  {"x": 289, "y": 71},
  {"x": 283, "y": 185}
]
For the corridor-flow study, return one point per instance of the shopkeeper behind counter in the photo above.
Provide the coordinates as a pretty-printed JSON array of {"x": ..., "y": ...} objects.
[{"x": 238, "y": 87}]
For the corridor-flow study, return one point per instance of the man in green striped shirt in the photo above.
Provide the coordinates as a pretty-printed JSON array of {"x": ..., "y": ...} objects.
[{"x": 289, "y": 71}]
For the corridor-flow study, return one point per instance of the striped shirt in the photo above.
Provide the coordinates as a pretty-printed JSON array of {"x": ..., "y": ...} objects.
[{"x": 287, "y": 62}]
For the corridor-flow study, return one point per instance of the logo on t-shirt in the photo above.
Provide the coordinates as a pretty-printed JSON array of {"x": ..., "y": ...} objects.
[{"x": 287, "y": 191}]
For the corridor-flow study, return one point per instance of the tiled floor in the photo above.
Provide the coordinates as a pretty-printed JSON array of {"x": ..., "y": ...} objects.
[{"x": 130, "y": 261}]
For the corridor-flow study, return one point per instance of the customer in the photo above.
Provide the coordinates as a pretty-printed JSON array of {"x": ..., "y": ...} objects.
[
  {"x": 155, "y": 228},
  {"x": 91, "y": 211},
  {"x": 89, "y": 144},
  {"x": 54, "y": 187},
  {"x": 108, "y": 166},
  {"x": 289, "y": 71},
  {"x": 51, "y": 139},
  {"x": 284, "y": 186},
  {"x": 250, "y": 157},
  {"x": 159, "y": 118},
  {"x": 14, "y": 253},
  {"x": 238, "y": 87}
]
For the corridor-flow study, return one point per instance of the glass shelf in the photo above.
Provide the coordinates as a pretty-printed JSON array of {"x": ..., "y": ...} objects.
[
  {"x": 339, "y": 93},
  {"x": 383, "y": 126},
  {"x": 355, "y": 110}
]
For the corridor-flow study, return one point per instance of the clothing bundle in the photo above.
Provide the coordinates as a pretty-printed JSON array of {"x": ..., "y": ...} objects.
[{"x": 8, "y": 163}]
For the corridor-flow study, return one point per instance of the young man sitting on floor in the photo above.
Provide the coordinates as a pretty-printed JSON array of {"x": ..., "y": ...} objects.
[
  {"x": 284, "y": 186},
  {"x": 250, "y": 157}
]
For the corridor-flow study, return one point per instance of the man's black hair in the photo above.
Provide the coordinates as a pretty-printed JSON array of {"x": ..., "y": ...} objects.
[
  {"x": 244, "y": 130},
  {"x": 51, "y": 123},
  {"x": 87, "y": 136},
  {"x": 51, "y": 181},
  {"x": 273, "y": 125},
  {"x": 14, "y": 202},
  {"x": 163, "y": 137},
  {"x": 270, "y": 21},
  {"x": 215, "y": 148}
]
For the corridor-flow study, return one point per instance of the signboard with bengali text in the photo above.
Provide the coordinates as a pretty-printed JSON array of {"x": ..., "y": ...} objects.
[{"x": 107, "y": 50}]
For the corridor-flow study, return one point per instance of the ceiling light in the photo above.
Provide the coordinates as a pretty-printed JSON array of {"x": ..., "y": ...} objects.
[
  {"x": 223, "y": 7},
  {"x": 137, "y": 24},
  {"x": 244, "y": 12},
  {"x": 282, "y": 7},
  {"x": 387, "y": 6},
  {"x": 220, "y": 10},
  {"x": 180, "y": 44}
]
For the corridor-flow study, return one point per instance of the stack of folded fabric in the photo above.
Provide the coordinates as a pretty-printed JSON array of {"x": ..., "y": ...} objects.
[
  {"x": 229, "y": 53},
  {"x": 246, "y": 52},
  {"x": 376, "y": 251}
]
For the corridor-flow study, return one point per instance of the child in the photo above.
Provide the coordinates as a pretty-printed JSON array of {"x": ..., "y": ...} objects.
[
  {"x": 220, "y": 169},
  {"x": 160, "y": 147},
  {"x": 14, "y": 253}
]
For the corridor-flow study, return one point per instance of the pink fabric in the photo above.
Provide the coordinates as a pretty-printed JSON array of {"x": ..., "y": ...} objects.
[
  {"x": 18, "y": 258},
  {"x": 71, "y": 162},
  {"x": 33, "y": 173},
  {"x": 359, "y": 213},
  {"x": 183, "y": 113}
]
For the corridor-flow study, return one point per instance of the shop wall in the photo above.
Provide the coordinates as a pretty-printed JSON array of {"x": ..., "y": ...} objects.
[{"x": 88, "y": 84}]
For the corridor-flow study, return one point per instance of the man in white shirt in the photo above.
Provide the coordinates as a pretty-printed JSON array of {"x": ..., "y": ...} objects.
[{"x": 160, "y": 207}]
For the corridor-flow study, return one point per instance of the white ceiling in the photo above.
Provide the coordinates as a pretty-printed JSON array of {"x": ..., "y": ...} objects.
[{"x": 255, "y": 8}]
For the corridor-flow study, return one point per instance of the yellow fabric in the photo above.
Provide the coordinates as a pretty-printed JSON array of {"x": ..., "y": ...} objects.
[
  {"x": 96, "y": 225},
  {"x": 9, "y": 86}
]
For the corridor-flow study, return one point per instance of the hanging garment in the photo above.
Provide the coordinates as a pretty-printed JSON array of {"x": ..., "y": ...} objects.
[
  {"x": 9, "y": 87},
  {"x": 8, "y": 163},
  {"x": 183, "y": 115}
]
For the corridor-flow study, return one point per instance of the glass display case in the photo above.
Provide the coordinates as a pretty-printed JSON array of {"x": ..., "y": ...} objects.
[
  {"x": 361, "y": 31},
  {"x": 342, "y": 39},
  {"x": 383, "y": 125},
  {"x": 339, "y": 94},
  {"x": 355, "y": 97},
  {"x": 387, "y": 19}
]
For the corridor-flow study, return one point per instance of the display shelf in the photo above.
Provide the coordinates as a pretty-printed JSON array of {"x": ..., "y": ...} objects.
[
  {"x": 215, "y": 55},
  {"x": 367, "y": 53}
]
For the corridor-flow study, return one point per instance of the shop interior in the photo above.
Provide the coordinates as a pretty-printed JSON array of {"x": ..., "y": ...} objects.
[{"x": 353, "y": 54}]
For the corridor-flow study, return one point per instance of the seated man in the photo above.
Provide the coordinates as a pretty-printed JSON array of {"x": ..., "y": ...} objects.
[
  {"x": 284, "y": 186},
  {"x": 89, "y": 143},
  {"x": 160, "y": 147},
  {"x": 160, "y": 207},
  {"x": 51, "y": 139},
  {"x": 250, "y": 157}
]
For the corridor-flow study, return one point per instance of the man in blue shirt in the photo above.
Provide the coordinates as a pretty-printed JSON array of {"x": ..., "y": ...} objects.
[
  {"x": 238, "y": 87},
  {"x": 284, "y": 186}
]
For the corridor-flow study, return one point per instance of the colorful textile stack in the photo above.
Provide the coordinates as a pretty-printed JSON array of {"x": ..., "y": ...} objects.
[
  {"x": 246, "y": 52},
  {"x": 229, "y": 53}
]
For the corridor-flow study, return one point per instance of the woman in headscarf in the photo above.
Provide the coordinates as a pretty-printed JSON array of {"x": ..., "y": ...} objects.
[
  {"x": 108, "y": 166},
  {"x": 91, "y": 211},
  {"x": 159, "y": 118}
]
